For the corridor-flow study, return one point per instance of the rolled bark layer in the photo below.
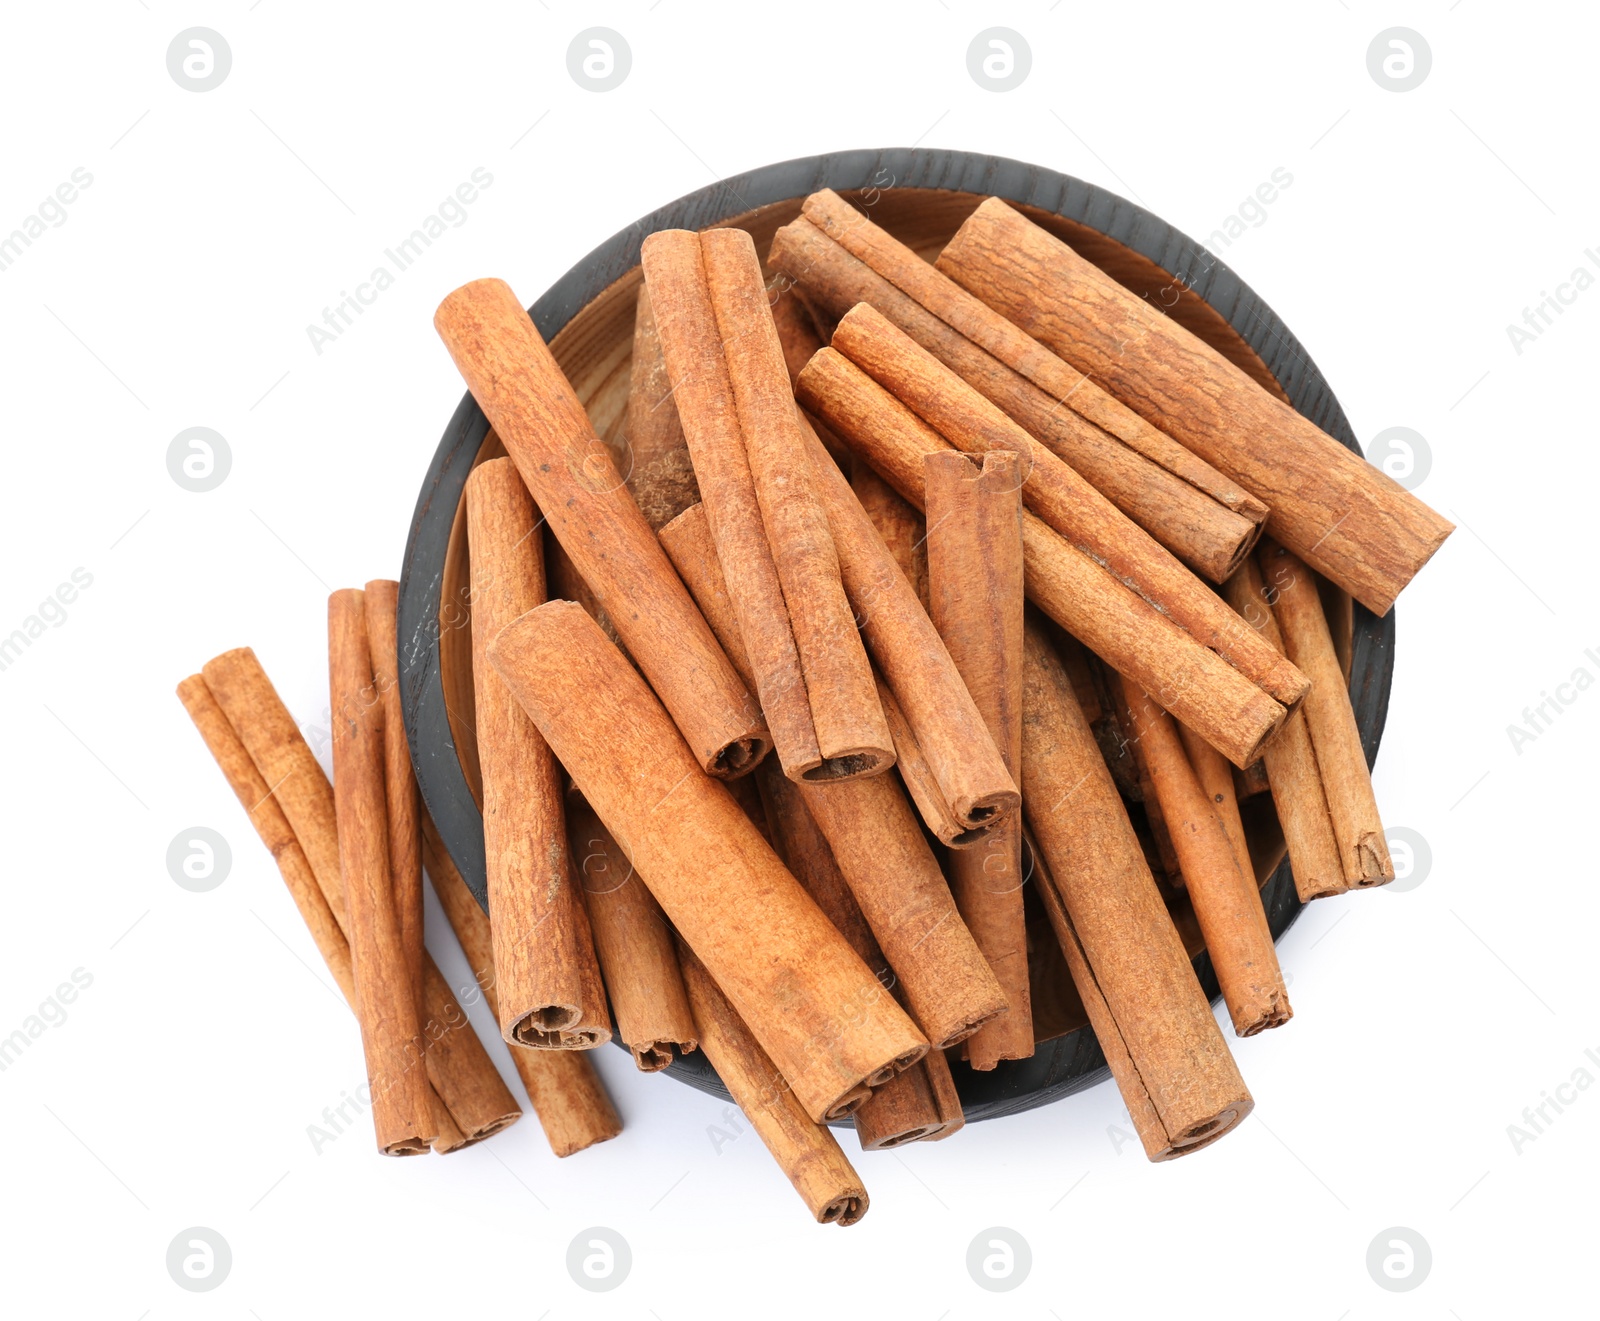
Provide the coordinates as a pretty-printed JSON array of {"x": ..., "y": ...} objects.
[
  {"x": 975, "y": 578},
  {"x": 1211, "y": 527},
  {"x": 660, "y": 474},
  {"x": 569, "y": 472},
  {"x": 567, "y": 1095},
  {"x": 1222, "y": 889},
  {"x": 1330, "y": 719},
  {"x": 813, "y": 1004},
  {"x": 1348, "y": 520},
  {"x": 1177, "y": 1076},
  {"x": 402, "y": 1111},
  {"x": 637, "y": 953},
  {"x": 1081, "y": 595},
  {"x": 809, "y": 1155},
  {"x": 551, "y": 993}
]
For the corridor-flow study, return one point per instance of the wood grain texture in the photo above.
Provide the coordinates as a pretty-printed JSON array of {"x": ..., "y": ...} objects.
[
  {"x": 813, "y": 1004},
  {"x": 551, "y": 993},
  {"x": 1347, "y": 519},
  {"x": 571, "y": 475}
]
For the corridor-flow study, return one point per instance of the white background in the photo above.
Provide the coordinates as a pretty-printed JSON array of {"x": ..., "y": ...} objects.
[{"x": 177, "y": 294}]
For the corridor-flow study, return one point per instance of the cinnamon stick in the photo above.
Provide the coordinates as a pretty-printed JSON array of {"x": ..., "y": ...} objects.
[
  {"x": 1345, "y": 517},
  {"x": 1179, "y": 1080},
  {"x": 899, "y": 524},
  {"x": 1205, "y": 519},
  {"x": 569, "y": 472},
  {"x": 637, "y": 954},
  {"x": 874, "y": 841},
  {"x": 923, "y": 785},
  {"x": 551, "y": 993},
  {"x": 1081, "y": 595},
  {"x": 797, "y": 332},
  {"x": 809, "y": 1156},
  {"x": 660, "y": 474},
  {"x": 975, "y": 587},
  {"x": 567, "y": 1095},
  {"x": 815, "y": 1007},
  {"x": 1215, "y": 776},
  {"x": 1061, "y": 498},
  {"x": 402, "y": 1111},
  {"x": 1290, "y": 763},
  {"x": 1226, "y": 902},
  {"x": 1330, "y": 719},
  {"x": 382, "y": 600}
]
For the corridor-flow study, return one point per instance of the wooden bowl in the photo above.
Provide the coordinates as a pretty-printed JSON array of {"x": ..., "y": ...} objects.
[{"x": 921, "y": 197}]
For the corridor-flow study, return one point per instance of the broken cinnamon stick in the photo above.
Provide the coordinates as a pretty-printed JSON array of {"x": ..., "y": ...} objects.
[
  {"x": 1226, "y": 902},
  {"x": 551, "y": 993},
  {"x": 975, "y": 589},
  {"x": 1183, "y": 1088},
  {"x": 1330, "y": 719},
  {"x": 815, "y": 1007},
  {"x": 660, "y": 474},
  {"x": 809, "y": 1156},
  {"x": 1345, "y": 517},
  {"x": 637, "y": 954},
  {"x": 568, "y": 470},
  {"x": 1080, "y": 594}
]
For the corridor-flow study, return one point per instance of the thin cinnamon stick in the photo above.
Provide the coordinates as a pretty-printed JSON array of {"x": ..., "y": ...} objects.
[
  {"x": 660, "y": 474},
  {"x": 809, "y": 1156},
  {"x": 875, "y": 842},
  {"x": 1226, "y": 901},
  {"x": 567, "y": 1095},
  {"x": 1205, "y": 519},
  {"x": 637, "y": 954},
  {"x": 1183, "y": 1088},
  {"x": 1345, "y": 517},
  {"x": 551, "y": 993},
  {"x": 899, "y": 524},
  {"x": 1215, "y": 775},
  {"x": 923, "y": 785},
  {"x": 975, "y": 587},
  {"x": 382, "y": 601},
  {"x": 1081, "y": 595},
  {"x": 815, "y": 1007},
  {"x": 569, "y": 472},
  {"x": 402, "y": 1112},
  {"x": 1330, "y": 719},
  {"x": 1290, "y": 763},
  {"x": 1061, "y": 498}
]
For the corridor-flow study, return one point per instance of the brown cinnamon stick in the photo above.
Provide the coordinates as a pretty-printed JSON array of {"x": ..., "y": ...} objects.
[
  {"x": 1346, "y": 518},
  {"x": 898, "y": 522},
  {"x": 808, "y": 1155},
  {"x": 567, "y": 1095},
  {"x": 1061, "y": 498},
  {"x": 1081, "y": 595},
  {"x": 1341, "y": 760},
  {"x": 1291, "y": 767},
  {"x": 551, "y": 993},
  {"x": 382, "y": 600},
  {"x": 402, "y": 1111},
  {"x": 1215, "y": 775},
  {"x": 797, "y": 332},
  {"x": 815, "y": 1007},
  {"x": 975, "y": 588},
  {"x": 570, "y": 473},
  {"x": 660, "y": 474},
  {"x": 1226, "y": 902},
  {"x": 1179, "y": 1080},
  {"x": 637, "y": 953},
  {"x": 923, "y": 785},
  {"x": 1205, "y": 519}
]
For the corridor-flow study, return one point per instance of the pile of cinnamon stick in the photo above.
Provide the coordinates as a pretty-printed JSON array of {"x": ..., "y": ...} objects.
[{"x": 927, "y": 619}]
